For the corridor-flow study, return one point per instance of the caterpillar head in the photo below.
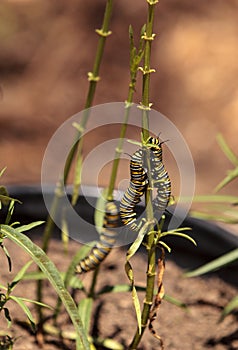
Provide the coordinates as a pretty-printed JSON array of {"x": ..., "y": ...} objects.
[{"x": 154, "y": 143}]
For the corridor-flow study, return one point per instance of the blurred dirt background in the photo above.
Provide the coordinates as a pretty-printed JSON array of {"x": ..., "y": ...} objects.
[{"x": 47, "y": 48}]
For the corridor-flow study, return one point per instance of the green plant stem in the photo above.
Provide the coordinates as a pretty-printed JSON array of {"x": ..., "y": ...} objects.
[
  {"x": 91, "y": 293},
  {"x": 151, "y": 247},
  {"x": 118, "y": 155},
  {"x": 135, "y": 59},
  {"x": 93, "y": 79},
  {"x": 121, "y": 141}
]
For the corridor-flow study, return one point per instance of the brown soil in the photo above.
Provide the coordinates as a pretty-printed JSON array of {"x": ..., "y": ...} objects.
[
  {"x": 46, "y": 50},
  {"x": 197, "y": 327}
]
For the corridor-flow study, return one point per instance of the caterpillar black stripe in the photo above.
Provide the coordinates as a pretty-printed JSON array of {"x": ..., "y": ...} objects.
[
  {"x": 160, "y": 176},
  {"x": 106, "y": 242},
  {"x": 136, "y": 189}
]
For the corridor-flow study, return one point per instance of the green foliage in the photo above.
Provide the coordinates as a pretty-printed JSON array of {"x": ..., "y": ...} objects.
[
  {"x": 215, "y": 264},
  {"x": 7, "y": 296},
  {"x": 218, "y": 204},
  {"x": 47, "y": 266},
  {"x": 230, "y": 307},
  {"x": 177, "y": 232},
  {"x": 232, "y": 174},
  {"x": 85, "y": 309}
]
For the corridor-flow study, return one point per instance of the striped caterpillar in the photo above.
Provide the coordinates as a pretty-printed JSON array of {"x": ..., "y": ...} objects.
[
  {"x": 107, "y": 239},
  {"x": 139, "y": 182}
]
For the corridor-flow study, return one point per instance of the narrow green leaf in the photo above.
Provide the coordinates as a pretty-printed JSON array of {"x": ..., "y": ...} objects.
[
  {"x": 7, "y": 316},
  {"x": 65, "y": 234},
  {"x": 7, "y": 256},
  {"x": 129, "y": 271},
  {"x": 232, "y": 305},
  {"x": 2, "y": 287},
  {"x": 142, "y": 41},
  {"x": 4, "y": 197},
  {"x": 56, "y": 331},
  {"x": 232, "y": 175},
  {"x": 179, "y": 234},
  {"x": 76, "y": 283},
  {"x": 81, "y": 253},
  {"x": 118, "y": 288},
  {"x": 69, "y": 278},
  {"x": 137, "y": 307},
  {"x": 35, "y": 302},
  {"x": 85, "y": 310},
  {"x": 15, "y": 223},
  {"x": 165, "y": 246},
  {"x": 77, "y": 175},
  {"x": 2, "y": 171},
  {"x": 227, "y": 150},
  {"x": 34, "y": 275},
  {"x": 20, "y": 274},
  {"x": 28, "y": 227},
  {"x": 209, "y": 198},
  {"x": 215, "y": 264},
  {"x": 175, "y": 301},
  {"x": 137, "y": 243},
  {"x": 220, "y": 218},
  {"x": 47, "y": 266},
  {"x": 135, "y": 298},
  {"x": 25, "y": 309},
  {"x": 10, "y": 212},
  {"x": 132, "y": 45},
  {"x": 134, "y": 142},
  {"x": 108, "y": 344}
]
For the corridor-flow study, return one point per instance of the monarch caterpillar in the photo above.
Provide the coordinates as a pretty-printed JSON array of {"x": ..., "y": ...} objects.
[
  {"x": 136, "y": 189},
  {"x": 106, "y": 242},
  {"x": 139, "y": 183},
  {"x": 160, "y": 176}
]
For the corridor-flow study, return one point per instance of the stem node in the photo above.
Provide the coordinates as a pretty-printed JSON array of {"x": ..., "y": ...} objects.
[
  {"x": 148, "y": 38},
  {"x": 103, "y": 33},
  {"x": 92, "y": 77}
]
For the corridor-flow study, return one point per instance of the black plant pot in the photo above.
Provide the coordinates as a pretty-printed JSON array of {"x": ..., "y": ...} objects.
[{"x": 212, "y": 240}]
